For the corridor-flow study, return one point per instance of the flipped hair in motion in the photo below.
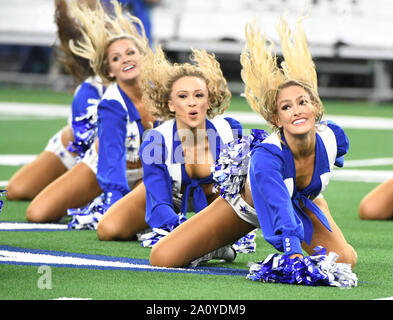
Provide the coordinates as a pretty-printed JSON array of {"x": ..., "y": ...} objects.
[
  {"x": 263, "y": 76},
  {"x": 68, "y": 28},
  {"x": 100, "y": 29}
]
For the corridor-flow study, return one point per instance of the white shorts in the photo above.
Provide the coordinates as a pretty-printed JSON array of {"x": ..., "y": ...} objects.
[
  {"x": 134, "y": 175},
  {"x": 56, "y": 146},
  {"x": 91, "y": 158},
  {"x": 244, "y": 210}
]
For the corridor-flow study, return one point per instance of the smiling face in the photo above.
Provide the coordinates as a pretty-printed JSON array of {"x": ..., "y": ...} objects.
[
  {"x": 189, "y": 101},
  {"x": 296, "y": 112},
  {"x": 124, "y": 60}
]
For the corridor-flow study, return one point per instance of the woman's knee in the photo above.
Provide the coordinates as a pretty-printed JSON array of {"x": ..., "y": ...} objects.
[
  {"x": 159, "y": 259},
  {"x": 108, "y": 230},
  {"x": 365, "y": 211},
  {"x": 161, "y": 256},
  {"x": 16, "y": 192},
  {"x": 37, "y": 214},
  {"x": 105, "y": 231},
  {"x": 369, "y": 210}
]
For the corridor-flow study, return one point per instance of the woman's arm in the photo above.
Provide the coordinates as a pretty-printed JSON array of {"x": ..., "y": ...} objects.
[
  {"x": 280, "y": 225},
  {"x": 159, "y": 197},
  {"x": 112, "y": 131}
]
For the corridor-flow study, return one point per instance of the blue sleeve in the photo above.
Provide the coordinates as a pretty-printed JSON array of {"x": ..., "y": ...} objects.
[
  {"x": 342, "y": 142},
  {"x": 158, "y": 183},
  {"x": 84, "y": 115},
  {"x": 86, "y": 95},
  {"x": 279, "y": 223},
  {"x": 112, "y": 131},
  {"x": 236, "y": 126}
]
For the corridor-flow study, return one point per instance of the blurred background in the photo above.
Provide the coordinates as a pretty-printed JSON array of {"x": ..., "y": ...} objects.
[{"x": 351, "y": 40}]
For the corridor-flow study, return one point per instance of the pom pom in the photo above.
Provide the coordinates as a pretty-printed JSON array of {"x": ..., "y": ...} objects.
[
  {"x": 151, "y": 238},
  {"x": 315, "y": 270},
  {"x": 87, "y": 218},
  {"x": 231, "y": 168},
  {"x": 247, "y": 243},
  {"x": 2, "y": 193},
  {"x": 85, "y": 131}
]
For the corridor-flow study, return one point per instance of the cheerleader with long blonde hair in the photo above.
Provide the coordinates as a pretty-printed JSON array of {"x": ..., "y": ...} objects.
[
  {"x": 275, "y": 181},
  {"x": 114, "y": 44},
  {"x": 177, "y": 155}
]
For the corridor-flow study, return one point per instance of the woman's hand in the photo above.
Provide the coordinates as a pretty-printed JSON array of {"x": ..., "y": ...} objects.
[{"x": 296, "y": 255}]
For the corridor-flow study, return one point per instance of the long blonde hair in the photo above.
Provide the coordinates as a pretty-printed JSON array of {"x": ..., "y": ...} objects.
[
  {"x": 159, "y": 74},
  {"x": 100, "y": 28},
  {"x": 263, "y": 76}
]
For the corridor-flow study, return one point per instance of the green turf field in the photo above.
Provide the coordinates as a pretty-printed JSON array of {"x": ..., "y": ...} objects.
[{"x": 372, "y": 240}]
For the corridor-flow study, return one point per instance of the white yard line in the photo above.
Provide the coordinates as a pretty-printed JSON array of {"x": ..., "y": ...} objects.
[
  {"x": 25, "y": 256},
  {"x": 368, "y": 162},
  {"x": 6, "y": 226},
  {"x": 375, "y": 176},
  {"x": 34, "y": 109},
  {"x": 16, "y": 159},
  {"x": 44, "y": 259}
]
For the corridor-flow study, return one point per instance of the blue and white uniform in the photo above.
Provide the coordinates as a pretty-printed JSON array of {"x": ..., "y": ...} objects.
[
  {"x": 86, "y": 98},
  {"x": 164, "y": 173},
  {"x": 272, "y": 180},
  {"x": 278, "y": 204},
  {"x": 82, "y": 120},
  {"x": 120, "y": 132}
]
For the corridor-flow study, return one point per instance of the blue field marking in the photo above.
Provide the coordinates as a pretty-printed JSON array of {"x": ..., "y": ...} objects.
[{"x": 37, "y": 257}]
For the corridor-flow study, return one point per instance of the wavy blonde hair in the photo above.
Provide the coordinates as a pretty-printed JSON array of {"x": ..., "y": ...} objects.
[
  {"x": 100, "y": 28},
  {"x": 263, "y": 76},
  {"x": 159, "y": 75}
]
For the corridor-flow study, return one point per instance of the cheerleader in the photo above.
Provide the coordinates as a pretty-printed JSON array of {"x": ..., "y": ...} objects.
[
  {"x": 281, "y": 177},
  {"x": 114, "y": 47},
  {"x": 178, "y": 154},
  {"x": 71, "y": 142}
]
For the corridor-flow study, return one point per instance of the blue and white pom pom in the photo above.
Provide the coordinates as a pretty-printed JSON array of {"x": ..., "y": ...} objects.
[
  {"x": 316, "y": 270},
  {"x": 231, "y": 168},
  {"x": 2, "y": 193},
  {"x": 87, "y": 218},
  {"x": 85, "y": 131},
  {"x": 247, "y": 243},
  {"x": 151, "y": 238}
]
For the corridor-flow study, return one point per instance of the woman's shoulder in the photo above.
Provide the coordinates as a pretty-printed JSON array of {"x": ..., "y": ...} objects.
[
  {"x": 112, "y": 92},
  {"x": 159, "y": 132},
  {"x": 165, "y": 126},
  {"x": 270, "y": 147}
]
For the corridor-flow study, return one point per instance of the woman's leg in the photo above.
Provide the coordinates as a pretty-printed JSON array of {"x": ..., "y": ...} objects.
[
  {"x": 125, "y": 218},
  {"x": 378, "y": 204},
  {"x": 332, "y": 241},
  {"x": 32, "y": 178},
  {"x": 75, "y": 188},
  {"x": 212, "y": 228},
  {"x": 29, "y": 180}
]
